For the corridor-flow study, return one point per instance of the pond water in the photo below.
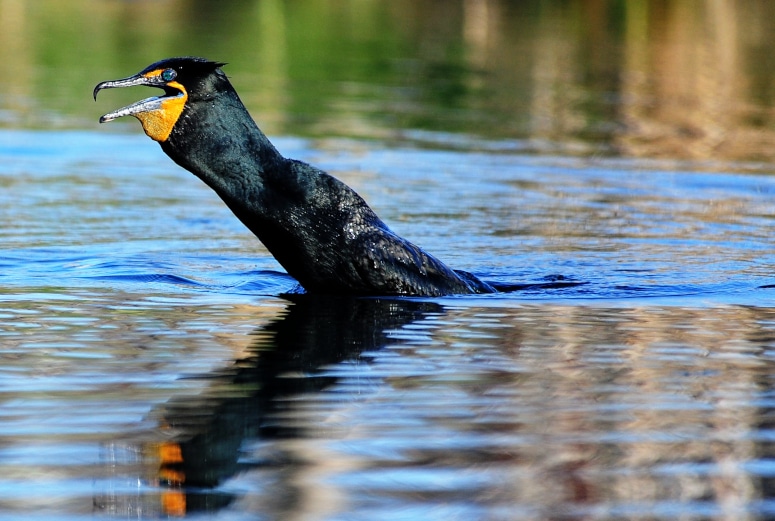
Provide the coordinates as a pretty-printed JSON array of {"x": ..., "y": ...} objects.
[
  {"x": 151, "y": 366},
  {"x": 154, "y": 366}
]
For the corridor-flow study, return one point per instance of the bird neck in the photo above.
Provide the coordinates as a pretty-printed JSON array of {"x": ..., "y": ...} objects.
[{"x": 218, "y": 141}]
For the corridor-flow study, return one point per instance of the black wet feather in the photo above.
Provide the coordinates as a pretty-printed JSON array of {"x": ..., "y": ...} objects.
[{"x": 319, "y": 229}]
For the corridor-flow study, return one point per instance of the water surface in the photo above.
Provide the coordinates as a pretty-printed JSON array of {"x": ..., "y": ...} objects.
[{"x": 153, "y": 364}]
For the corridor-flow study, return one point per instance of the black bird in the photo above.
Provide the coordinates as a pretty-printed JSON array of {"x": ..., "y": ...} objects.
[{"x": 321, "y": 231}]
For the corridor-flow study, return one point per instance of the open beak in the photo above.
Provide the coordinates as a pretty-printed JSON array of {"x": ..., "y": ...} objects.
[{"x": 146, "y": 105}]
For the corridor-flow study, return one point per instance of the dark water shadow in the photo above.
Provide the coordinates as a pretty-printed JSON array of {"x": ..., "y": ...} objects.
[{"x": 288, "y": 358}]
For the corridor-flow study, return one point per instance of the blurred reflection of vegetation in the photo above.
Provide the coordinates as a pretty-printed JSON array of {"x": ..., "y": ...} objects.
[{"x": 677, "y": 78}]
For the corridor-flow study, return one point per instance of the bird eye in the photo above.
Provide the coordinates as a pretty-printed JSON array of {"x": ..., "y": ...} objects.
[{"x": 168, "y": 74}]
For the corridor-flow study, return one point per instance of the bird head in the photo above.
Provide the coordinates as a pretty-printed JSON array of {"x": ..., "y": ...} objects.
[{"x": 179, "y": 78}]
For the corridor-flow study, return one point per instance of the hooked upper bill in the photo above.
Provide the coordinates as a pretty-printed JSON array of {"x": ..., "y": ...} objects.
[
  {"x": 152, "y": 103},
  {"x": 158, "y": 114}
]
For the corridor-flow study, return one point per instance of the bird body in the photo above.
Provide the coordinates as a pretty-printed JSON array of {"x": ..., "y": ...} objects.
[{"x": 318, "y": 228}]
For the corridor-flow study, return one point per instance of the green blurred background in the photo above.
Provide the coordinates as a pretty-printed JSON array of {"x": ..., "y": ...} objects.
[{"x": 684, "y": 79}]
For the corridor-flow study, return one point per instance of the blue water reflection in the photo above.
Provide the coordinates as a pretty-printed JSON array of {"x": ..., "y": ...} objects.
[
  {"x": 153, "y": 367},
  {"x": 155, "y": 363}
]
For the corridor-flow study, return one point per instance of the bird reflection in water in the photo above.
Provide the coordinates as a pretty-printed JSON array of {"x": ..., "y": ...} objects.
[{"x": 288, "y": 358}]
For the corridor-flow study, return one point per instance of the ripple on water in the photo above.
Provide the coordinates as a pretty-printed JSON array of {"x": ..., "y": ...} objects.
[
  {"x": 470, "y": 412},
  {"x": 140, "y": 340}
]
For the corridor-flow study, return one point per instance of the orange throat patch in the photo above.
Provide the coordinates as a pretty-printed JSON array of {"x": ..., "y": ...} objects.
[{"x": 158, "y": 124}]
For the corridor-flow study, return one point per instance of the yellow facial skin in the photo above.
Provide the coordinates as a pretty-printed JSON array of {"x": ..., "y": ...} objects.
[{"x": 158, "y": 123}]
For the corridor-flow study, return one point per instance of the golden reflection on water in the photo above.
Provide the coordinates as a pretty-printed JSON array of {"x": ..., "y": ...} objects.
[
  {"x": 643, "y": 404},
  {"x": 554, "y": 410},
  {"x": 570, "y": 409}
]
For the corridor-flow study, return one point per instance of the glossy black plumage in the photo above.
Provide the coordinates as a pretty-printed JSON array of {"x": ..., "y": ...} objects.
[{"x": 319, "y": 229}]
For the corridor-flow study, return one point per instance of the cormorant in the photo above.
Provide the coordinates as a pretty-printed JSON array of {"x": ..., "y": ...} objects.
[{"x": 318, "y": 228}]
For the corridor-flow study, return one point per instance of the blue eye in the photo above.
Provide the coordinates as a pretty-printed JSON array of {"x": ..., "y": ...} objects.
[{"x": 168, "y": 74}]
